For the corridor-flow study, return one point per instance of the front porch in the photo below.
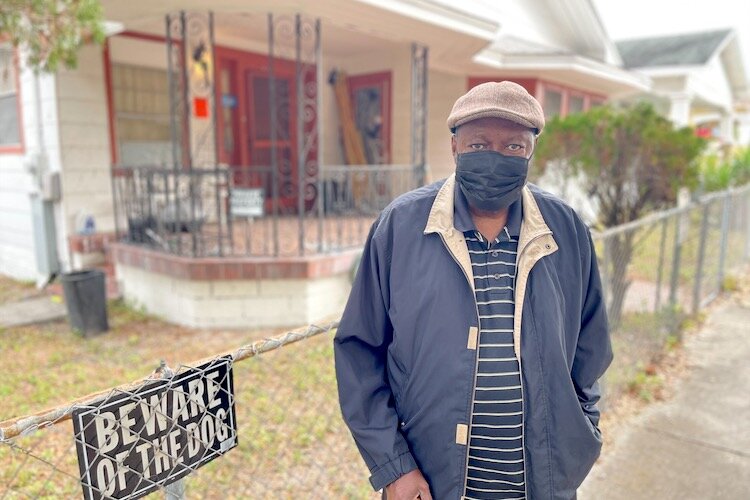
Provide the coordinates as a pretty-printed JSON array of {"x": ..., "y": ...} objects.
[{"x": 236, "y": 199}]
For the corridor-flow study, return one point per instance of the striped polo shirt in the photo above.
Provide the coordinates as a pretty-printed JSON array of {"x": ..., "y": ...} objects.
[{"x": 495, "y": 448}]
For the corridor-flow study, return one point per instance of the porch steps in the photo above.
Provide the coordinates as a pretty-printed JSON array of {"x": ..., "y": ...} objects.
[{"x": 107, "y": 266}]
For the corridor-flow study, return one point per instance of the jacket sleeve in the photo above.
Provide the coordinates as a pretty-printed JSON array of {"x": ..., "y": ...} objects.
[
  {"x": 594, "y": 350},
  {"x": 360, "y": 350}
]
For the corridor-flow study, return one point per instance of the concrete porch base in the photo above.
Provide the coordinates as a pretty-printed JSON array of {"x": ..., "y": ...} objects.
[{"x": 205, "y": 293}]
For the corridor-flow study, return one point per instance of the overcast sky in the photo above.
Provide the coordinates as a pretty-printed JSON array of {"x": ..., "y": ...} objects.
[{"x": 636, "y": 18}]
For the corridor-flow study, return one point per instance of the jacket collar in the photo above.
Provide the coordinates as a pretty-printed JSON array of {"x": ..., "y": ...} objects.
[
  {"x": 463, "y": 221},
  {"x": 441, "y": 215}
]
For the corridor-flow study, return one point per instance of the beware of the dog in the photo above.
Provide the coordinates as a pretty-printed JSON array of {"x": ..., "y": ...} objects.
[{"x": 131, "y": 443}]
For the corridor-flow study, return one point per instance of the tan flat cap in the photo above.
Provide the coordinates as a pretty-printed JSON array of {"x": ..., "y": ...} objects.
[{"x": 498, "y": 100}]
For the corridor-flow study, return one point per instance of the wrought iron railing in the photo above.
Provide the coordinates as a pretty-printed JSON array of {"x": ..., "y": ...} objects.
[{"x": 253, "y": 211}]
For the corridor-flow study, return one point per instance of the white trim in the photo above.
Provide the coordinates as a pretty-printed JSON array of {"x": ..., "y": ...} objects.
[
  {"x": 441, "y": 15},
  {"x": 583, "y": 65}
]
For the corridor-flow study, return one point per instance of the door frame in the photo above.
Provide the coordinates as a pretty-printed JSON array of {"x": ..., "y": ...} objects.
[{"x": 245, "y": 66}]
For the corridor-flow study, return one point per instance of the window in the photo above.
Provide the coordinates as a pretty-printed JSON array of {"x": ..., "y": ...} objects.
[
  {"x": 576, "y": 104},
  {"x": 10, "y": 122},
  {"x": 371, "y": 102},
  {"x": 552, "y": 103},
  {"x": 141, "y": 106}
]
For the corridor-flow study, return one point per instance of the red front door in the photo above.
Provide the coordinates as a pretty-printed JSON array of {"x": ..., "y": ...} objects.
[{"x": 244, "y": 124}]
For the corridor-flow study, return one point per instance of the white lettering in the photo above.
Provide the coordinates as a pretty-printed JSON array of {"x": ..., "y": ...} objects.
[
  {"x": 193, "y": 442},
  {"x": 143, "y": 450},
  {"x": 179, "y": 405},
  {"x": 196, "y": 390},
  {"x": 213, "y": 389},
  {"x": 126, "y": 423},
  {"x": 222, "y": 432},
  {"x": 155, "y": 411},
  {"x": 105, "y": 475},
  {"x": 207, "y": 431},
  {"x": 161, "y": 455},
  {"x": 175, "y": 446},
  {"x": 106, "y": 431},
  {"x": 121, "y": 469}
]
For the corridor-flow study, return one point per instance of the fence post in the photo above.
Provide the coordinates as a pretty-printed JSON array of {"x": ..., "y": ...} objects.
[
  {"x": 676, "y": 255},
  {"x": 605, "y": 273},
  {"x": 727, "y": 208},
  {"x": 699, "y": 264},
  {"x": 660, "y": 269},
  {"x": 176, "y": 490}
]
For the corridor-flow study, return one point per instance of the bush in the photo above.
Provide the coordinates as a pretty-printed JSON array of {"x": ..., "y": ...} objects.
[{"x": 717, "y": 174}]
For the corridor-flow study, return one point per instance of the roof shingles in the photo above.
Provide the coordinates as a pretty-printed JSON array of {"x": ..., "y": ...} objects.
[{"x": 674, "y": 50}]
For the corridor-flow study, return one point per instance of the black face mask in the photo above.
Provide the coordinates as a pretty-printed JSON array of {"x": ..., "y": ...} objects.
[{"x": 491, "y": 181}]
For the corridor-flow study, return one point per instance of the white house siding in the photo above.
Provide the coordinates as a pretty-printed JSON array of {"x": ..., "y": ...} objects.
[
  {"x": 711, "y": 83},
  {"x": 17, "y": 257},
  {"x": 84, "y": 142},
  {"x": 443, "y": 89},
  {"x": 397, "y": 60},
  {"x": 16, "y": 237}
]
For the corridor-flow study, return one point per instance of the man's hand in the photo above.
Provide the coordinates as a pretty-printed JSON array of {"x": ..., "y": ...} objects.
[{"x": 408, "y": 487}]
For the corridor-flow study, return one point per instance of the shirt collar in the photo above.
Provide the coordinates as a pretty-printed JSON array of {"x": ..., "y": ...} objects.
[{"x": 462, "y": 216}]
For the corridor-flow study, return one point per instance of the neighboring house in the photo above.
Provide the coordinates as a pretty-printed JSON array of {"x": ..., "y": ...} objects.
[
  {"x": 699, "y": 79},
  {"x": 201, "y": 155},
  {"x": 558, "y": 50}
]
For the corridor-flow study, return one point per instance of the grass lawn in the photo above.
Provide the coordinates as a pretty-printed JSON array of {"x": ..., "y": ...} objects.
[
  {"x": 647, "y": 252},
  {"x": 292, "y": 442},
  {"x": 12, "y": 290}
]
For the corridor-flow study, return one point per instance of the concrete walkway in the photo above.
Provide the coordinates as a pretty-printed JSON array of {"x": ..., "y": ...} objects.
[
  {"x": 30, "y": 311},
  {"x": 697, "y": 444}
]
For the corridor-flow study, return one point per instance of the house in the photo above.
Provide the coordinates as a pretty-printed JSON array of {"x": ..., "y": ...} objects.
[
  {"x": 227, "y": 164},
  {"x": 699, "y": 79}
]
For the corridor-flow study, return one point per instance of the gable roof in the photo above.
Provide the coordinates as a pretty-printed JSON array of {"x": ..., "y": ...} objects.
[{"x": 691, "y": 49}]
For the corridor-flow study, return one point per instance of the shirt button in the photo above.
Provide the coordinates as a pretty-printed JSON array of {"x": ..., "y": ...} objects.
[
  {"x": 497, "y": 276},
  {"x": 494, "y": 254}
]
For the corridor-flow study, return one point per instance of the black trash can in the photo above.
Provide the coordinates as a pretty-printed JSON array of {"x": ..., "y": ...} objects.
[{"x": 86, "y": 299}]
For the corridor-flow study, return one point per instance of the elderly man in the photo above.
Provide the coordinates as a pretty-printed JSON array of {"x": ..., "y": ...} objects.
[{"x": 469, "y": 353}]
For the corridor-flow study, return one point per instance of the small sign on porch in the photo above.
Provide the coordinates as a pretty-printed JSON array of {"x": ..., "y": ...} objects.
[
  {"x": 247, "y": 202},
  {"x": 133, "y": 442}
]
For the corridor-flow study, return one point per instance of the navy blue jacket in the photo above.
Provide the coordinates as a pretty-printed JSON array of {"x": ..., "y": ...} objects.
[{"x": 405, "y": 360}]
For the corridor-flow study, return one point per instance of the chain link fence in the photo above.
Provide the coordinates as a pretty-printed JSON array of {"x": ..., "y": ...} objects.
[
  {"x": 660, "y": 270},
  {"x": 264, "y": 422},
  {"x": 290, "y": 440}
]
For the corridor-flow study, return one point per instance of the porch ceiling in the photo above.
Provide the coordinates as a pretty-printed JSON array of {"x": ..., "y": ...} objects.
[{"x": 349, "y": 27}]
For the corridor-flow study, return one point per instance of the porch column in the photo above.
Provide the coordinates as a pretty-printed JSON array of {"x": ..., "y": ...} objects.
[
  {"x": 419, "y": 112},
  {"x": 726, "y": 127},
  {"x": 679, "y": 109},
  {"x": 743, "y": 134}
]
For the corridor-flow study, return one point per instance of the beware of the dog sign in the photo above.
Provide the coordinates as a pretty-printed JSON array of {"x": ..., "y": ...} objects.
[{"x": 131, "y": 443}]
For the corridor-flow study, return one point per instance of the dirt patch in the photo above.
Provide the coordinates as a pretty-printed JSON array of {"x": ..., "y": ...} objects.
[{"x": 12, "y": 290}]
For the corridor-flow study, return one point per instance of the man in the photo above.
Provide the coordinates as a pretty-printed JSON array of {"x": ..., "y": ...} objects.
[{"x": 468, "y": 355}]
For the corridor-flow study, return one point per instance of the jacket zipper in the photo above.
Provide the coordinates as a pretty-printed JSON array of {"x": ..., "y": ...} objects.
[
  {"x": 476, "y": 367},
  {"x": 476, "y": 362},
  {"x": 520, "y": 372}
]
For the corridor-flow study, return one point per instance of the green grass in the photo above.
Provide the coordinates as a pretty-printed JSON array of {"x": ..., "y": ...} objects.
[
  {"x": 644, "y": 264},
  {"x": 12, "y": 290},
  {"x": 292, "y": 441},
  {"x": 639, "y": 340}
]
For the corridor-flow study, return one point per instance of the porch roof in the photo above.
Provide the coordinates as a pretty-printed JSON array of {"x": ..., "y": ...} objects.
[
  {"x": 513, "y": 57},
  {"x": 450, "y": 32}
]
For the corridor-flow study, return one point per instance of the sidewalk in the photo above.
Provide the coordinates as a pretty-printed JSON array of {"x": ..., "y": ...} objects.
[
  {"x": 40, "y": 309},
  {"x": 697, "y": 444}
]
